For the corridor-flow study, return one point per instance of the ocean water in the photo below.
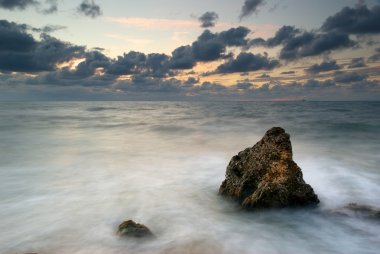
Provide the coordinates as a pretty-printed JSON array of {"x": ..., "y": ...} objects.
[{"x": 71, "y": 172}]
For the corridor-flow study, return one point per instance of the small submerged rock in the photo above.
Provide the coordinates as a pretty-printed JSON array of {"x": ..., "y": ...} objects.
[
  {"x": 130, "y": 228},
  {"x": 358, "y": 210},
  {"x": 266, "y": 176}
]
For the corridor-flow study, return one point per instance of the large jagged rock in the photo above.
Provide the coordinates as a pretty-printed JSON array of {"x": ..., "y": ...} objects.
[
  {"x": 266, "y": 176},
  {"x": 130, "y": 228}
]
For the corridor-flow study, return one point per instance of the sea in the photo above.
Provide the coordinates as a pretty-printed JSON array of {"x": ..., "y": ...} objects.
[{"x": 71, "y": 172}]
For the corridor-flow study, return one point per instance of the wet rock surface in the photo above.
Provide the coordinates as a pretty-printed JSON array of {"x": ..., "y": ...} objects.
[
  {"x": 359, "y": 210},
  {"x": 265, "y": 175},
  {"x": 132, "y": 229}
]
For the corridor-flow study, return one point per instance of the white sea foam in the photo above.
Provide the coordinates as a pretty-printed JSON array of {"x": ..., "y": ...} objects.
[{"x": 71, "y": 172}]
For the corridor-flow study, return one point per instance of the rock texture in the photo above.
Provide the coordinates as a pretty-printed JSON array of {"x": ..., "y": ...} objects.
[
  {"x": 266, "y": 176},
  {"x": 358, "y": 210},
  {"x": 130, "y": 228}
]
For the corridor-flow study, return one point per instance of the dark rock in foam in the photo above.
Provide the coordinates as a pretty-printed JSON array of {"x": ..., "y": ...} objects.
[
  {"x": 266, "y": 176},
  {"x": 130, "y": 228},
  {"x": 358, "y": 210}
]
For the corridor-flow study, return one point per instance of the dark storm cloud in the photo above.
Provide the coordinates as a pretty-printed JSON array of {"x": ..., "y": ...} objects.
[
  {"x": 151, "y": 65},
  {"x": 182, "y": 58},
  {"x": 357, "y": 20},
  {"x": 349, "y": 77},
  {"x": 357, "y": 63},
  {"x": 134, "y": 64},
  {"x": 50, "y": 51},
  {"x": 157, "y": 65},
  {"x": 245, "y": 62},
  {"x": 13, "y": 37},
  {"x": 89, "y": 8},
  {"x": 93, "y": 60},
  {"x": 250, "y": 6},
  {"x": 19, "y": 51},
  {"x": 128, "y": 63},
  {"x": 43, "y": 57},
  {"x": 284, "y": 34},
  {"x": 234, "y": 36},
  {"x": 46, "y": 7},
  {"x": 333, "y": 35},
  {"x": 298, "y": 44},
  {"x": 209, "y": 47},
  {"x": 17, "y": 4},
  {"x": 208, "y": 19},
  {"x": 314, "y": 44},
  {"x": 323, "y": 67}
]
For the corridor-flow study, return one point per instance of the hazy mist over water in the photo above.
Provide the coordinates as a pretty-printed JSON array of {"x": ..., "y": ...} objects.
[{"x": 71, "y": 172}]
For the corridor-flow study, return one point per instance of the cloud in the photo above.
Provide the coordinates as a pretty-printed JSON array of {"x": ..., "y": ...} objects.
[
  {"x": 357, "y": 63},
  {"x": 244, "y": 86},
  {"x": 152, "y": 76},
  {"x": 17, "y": 4},
  {"x": 14, "y": 37},
  {"x": 298, "y": 44},
  {"x": 249, "y": 7},
  {"x": 375, "y": 57},
  {"x": 245, "y": 62},
  {"x": 52, "y": 5},
  {"x": 284, "y": 34},
  {"x": 209, "y": 47},
  {"x": 288, "y": 72},
  {"x": 182, "y": 58},
  {"x": 151, "y": 65},
  {"x": 90, "y": 9},
  {"x": 52, "y": 8},
  {"x": 257, "y": 42},
  {"x": 128, "y": 64},
  {"x": 335, "y": 34},
  {"x": 208, "y": 19},
  {"x": 139, "y": 87},
  {"x": 234, "y": 36},
  {"x": 19, "y": 51},
  {"x": 357, "y": 20},
  {"x": 48, "y": 29},
  {"x": 87, "y": 68},
  {"x": 264, "y": 76},
  {"x": 323, "y": 67},
  {"x": 313, "y": 44},
  {"x": 349, "y": 77}
]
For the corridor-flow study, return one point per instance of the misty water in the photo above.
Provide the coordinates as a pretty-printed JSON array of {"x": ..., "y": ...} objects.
[{"x": 71, "y": 172}]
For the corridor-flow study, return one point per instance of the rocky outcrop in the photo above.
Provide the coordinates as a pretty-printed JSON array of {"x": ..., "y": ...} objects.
[
  {"x": 130, "y": 228},
  {"x": 265, "y": 175}
]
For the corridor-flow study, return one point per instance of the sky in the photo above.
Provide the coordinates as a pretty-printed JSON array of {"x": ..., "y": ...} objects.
[{"x": 241, "y": 50}]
